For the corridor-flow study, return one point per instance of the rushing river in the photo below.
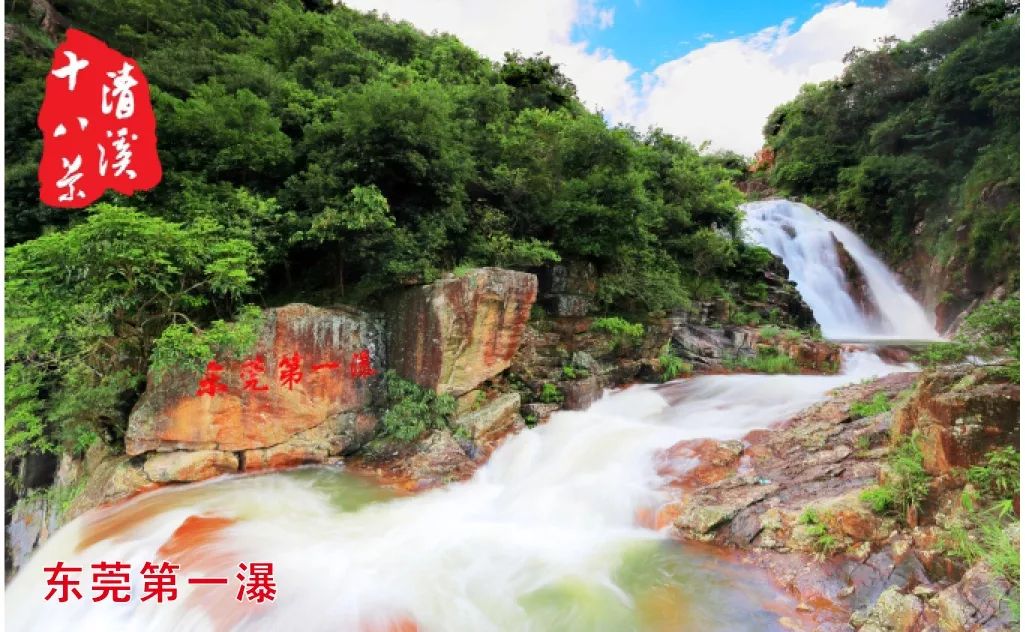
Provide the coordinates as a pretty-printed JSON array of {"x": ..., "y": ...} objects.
[{"x": 545, "y": 536}]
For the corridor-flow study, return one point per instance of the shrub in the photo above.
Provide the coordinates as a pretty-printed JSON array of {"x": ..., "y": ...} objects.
[
  {"x": 550, "y": 394},
  {"x": 768, "y": 360},
  {"x": 907, "y": 479},
  {"x": 992, "y": 330},
  {"x": 998, "y": 477},
  {"x": 791, "y": 335},
  {"x": 880, "y": 403},
  {"x": 746, "y": 318},
  {"x": 879, "y": 499},
  {"x": 809, "y": 516},
  {"x": 768, "y": 332},
  {"x": 572, "y": 372},
  {"x": 413, "y": 410},
  {"x": 824, "y": 542},
  {"x": 672, "y": 365},
  {"x": 986, "y": 535},
  {"x": 623, "y": 331}
]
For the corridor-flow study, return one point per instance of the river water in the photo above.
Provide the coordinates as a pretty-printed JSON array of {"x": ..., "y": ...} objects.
[{"x": 545, "y": 536}]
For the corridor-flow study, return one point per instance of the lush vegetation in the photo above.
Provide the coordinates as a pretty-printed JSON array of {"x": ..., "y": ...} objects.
[
  {"x": 906, "y": 483},
  {"x": 623, "y": 332},
  {"x": 880, "y": 403},
  {"x": 411, "y": 410},
  {"x": 991, "y": 332},
  {"x": 311, "y": 152},
  {"x": 550, "y": 394},
  {"x": 766, "y": 360},
  {"x": 915, "y": 145},
  {"x": 988, "y": 526},
  {"x": 672, "y": 365},
  {"x": 815, "y": 527}
]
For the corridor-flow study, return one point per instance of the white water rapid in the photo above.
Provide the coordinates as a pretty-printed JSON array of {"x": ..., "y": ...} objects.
[
  {"x": 543, "y": 537},
  {"x": 803, "y": 238},
  {"x": 549, "y": 535}
]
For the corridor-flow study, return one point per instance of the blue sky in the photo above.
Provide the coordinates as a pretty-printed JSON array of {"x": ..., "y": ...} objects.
[
  {"x": 707, "y": 70},
  {"x": 648, "y": 33}
]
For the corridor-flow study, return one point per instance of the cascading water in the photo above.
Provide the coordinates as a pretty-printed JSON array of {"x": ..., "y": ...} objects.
[
  {"x": 803, "y": 238},
  {"x": 545, "y": 536}
]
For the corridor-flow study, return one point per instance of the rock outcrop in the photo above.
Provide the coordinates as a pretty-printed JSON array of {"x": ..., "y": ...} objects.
[
  {"x": 568, "y": 289},
  {"x": 303, "y": 395},
  {"x": 791, "y": 499},
  {"x": 959, "y": 414},
  {"x": 460, "y": 331},
  {"x": 854, "y": 280},
  {"x": 316, "y": 344},
  {"x": 492, "y": 420}
]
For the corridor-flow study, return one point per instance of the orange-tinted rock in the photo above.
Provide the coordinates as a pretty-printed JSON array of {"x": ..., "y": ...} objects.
[
  {"x": 459, "y": 331},
  {"x": 699, "y": 462},
  {"x": 171, "y": 415},
  {"x": 184, "y": 466},
  {"x": 894, "y": 354},
  {"x": 338, "y": 435},
  {"x": 960, "y": 413}
]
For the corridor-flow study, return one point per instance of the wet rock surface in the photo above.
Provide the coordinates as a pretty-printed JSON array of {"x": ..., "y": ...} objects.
[{"x": 788, "y": 499}]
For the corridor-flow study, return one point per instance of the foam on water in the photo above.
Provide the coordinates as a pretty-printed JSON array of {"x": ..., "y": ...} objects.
[{"x": 554, "y": 507}]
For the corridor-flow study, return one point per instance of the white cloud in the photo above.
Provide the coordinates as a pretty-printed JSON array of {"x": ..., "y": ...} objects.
[
  {"x": 529, "y": 26},
  {"x": 721, "y": 92}
]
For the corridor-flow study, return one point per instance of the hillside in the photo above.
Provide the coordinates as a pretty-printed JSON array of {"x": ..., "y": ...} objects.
[
  {"x": 315, "y": 153},
  {"x": 915, "y": 146}
]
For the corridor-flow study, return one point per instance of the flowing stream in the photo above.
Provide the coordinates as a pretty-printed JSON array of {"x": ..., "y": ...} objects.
[{"x": 545, "y": 536}]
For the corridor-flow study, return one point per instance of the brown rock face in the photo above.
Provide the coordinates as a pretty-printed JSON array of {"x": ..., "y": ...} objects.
[
  {"x": 171, "y": 416},
  {"x": 857, "y": 286},
  {"x": 960, "y": 413},
  {"x": 457, "y": 332}
]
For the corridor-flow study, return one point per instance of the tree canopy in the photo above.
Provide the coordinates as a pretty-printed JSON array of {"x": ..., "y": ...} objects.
[
  {"x": 316, "y": 153},
  {"x": 916, "y": 144}
]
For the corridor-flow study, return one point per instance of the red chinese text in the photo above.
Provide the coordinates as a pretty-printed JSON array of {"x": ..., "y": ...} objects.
[{"x": 98, "y": 127}]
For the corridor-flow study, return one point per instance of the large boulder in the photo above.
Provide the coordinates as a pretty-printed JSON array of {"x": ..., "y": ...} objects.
[
  {"x": 172, "y": 416},
  {"x": 892, "y": 612},
  {"x": 455, "y": 333}
]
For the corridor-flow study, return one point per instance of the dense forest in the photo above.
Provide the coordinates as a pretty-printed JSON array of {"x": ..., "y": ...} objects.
[
  {"x": 916, "y": 145},
  {"x": 314, "y": 153}
]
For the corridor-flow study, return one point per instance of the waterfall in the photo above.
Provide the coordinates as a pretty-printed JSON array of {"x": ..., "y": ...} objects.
[
  {"x": 812, "y": 245},
  {"x": 549, "y": 534}
]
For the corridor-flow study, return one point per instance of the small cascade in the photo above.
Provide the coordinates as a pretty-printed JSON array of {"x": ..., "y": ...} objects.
[{"x": 851, "y": 291}]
